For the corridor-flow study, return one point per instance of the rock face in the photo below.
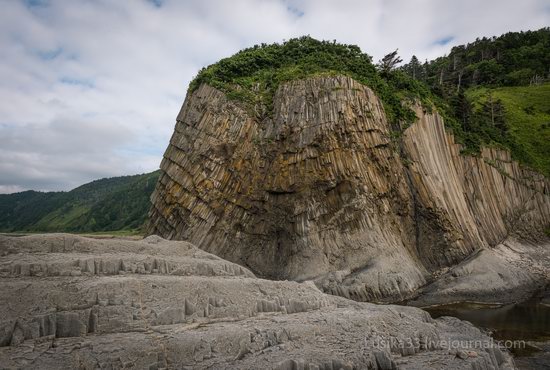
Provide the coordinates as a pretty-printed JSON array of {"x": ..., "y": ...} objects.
[
  {"x": 71, "y": 302},
  {"x": 510, "y": 272},
  {"x": 325, "y": 191}
]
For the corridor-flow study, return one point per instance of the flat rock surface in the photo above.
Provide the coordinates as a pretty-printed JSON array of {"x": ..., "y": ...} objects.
[
  {"x": 74, "y": 302},
  {"x": 510, "y": 272},
  {"x": 539, "y": 360}
]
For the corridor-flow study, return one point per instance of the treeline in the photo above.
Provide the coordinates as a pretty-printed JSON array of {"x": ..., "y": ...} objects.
[
  {"x": 252, "y": 75},
  {"x": 118, "y": 203},
  {"x": 513, "y": 59}
]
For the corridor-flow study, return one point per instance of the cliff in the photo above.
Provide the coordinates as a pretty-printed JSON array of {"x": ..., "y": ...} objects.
[{"x": 326, "y": 190}]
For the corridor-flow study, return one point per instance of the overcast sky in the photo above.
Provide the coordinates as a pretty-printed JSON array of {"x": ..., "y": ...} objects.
[{"x": 91, "y": 89}]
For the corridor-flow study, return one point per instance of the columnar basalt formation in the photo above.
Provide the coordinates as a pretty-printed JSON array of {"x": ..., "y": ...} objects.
[
  {"x": 483, "y": 199},
  {"x": 326, "y": 190},
  {"x": 70, "y": 302}
]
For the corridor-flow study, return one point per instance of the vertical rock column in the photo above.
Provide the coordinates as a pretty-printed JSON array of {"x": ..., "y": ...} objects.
[{"x": 318, "y": 187}]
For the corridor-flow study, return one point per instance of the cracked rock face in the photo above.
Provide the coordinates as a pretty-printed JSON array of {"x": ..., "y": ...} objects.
[
  {"x": 324, "y": 190},
  {"x": 70, "y": 302}
]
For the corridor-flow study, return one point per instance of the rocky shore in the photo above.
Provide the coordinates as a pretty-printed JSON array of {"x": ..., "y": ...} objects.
[{"x": 75, "y": 302}]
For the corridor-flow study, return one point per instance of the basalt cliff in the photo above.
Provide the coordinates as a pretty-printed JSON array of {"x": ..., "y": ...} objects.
[{"x": 325, "y": 189}]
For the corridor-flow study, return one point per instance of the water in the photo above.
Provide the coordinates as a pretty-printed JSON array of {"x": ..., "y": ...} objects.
[{"x": 527, "y": 321}]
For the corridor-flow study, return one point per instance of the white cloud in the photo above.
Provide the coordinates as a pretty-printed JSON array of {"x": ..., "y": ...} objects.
[{"x": 91, "y": 88}]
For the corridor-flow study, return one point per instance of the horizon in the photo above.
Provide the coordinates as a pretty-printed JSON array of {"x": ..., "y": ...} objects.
[{"x": 91, "y": 89}]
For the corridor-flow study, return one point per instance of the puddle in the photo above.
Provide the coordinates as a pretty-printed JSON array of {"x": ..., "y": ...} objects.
[{"x": 527, "y": 321}]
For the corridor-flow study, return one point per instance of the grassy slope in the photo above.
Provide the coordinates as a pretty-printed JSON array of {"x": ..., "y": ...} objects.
[
  {"x": 118, "y": 203},
  {"x": 527, "y": 111}
]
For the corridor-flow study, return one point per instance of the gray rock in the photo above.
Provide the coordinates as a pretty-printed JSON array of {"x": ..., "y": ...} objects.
[
  {"x": 219, "y": 318},
  {"x": 510, "y": 272},
  {"x": 69, "y": 324},
  {"x": 323, "y": 191}
]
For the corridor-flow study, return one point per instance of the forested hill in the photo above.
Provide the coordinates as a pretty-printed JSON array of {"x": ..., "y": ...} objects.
[
  {"x": 498, "y": 91},
  {"x": 515, "y": 58},
  {"x": 112, "y": 204}
]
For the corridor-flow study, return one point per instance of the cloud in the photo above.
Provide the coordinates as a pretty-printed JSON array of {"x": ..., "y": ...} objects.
[{"x": 91, "y": 88}]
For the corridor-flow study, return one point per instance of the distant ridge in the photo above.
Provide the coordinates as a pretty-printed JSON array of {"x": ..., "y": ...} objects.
[{"x": 117, "y": 203}]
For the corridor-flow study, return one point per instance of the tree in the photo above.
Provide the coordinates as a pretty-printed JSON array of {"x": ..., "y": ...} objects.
[
  {"x": 389, "y": 61},
  {"x": 490, "y": 72},
  {"x": 492, "y": 111},
  {"x": 414, "y": 68},
  {"x": 462, "y": 110}
]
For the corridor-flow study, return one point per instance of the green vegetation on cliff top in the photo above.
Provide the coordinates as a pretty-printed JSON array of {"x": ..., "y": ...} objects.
[
  {"x": 253, "y": 75},
  {"x": 448, "y": 83}
]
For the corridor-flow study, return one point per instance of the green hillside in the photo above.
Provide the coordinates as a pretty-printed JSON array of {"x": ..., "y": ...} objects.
[
  {"x": 527, "y": 115},
  {"x": 118, "y": 203},
  {"x": 497, "y": 93}
]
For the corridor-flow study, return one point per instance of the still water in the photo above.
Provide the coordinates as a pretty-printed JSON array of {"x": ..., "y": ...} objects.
[{"x": 527, "y": 321}]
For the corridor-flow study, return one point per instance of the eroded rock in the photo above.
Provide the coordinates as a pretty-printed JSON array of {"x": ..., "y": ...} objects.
[
  {"x": 226, "y": 319},
  {"x": 325, "y": 190}
]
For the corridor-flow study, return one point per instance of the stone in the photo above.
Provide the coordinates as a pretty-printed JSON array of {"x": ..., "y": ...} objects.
[
  {"x": 384, "y": 361},
  {"x": 69, "y": 324},
  {"x": 144, "y": 321},
  {"x": 323, "y": 191}
]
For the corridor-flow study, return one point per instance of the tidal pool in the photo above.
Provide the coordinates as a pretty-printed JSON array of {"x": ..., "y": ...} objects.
[{"x": 527, "y": 321}]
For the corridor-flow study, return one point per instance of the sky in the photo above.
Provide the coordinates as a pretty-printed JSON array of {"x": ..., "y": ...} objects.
[{"x": 91, "y": 88}]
